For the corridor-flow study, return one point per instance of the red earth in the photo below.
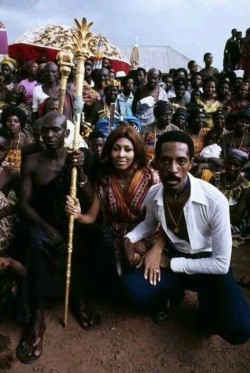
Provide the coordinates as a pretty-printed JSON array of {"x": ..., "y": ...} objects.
[{"x": 129, "y": 342}]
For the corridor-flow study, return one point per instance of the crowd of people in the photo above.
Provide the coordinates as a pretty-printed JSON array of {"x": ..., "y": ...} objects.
[{"x": 163, "y": 185}]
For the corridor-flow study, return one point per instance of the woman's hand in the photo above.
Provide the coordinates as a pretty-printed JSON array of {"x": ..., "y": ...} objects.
[
  {"x": 134, "y": 259},
  {"x": 72, "y": 207}
]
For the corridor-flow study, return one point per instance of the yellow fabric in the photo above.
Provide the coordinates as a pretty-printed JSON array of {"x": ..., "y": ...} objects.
[
  {"x": 210, "y": 109},
  {"x": 14, "y": 159}
]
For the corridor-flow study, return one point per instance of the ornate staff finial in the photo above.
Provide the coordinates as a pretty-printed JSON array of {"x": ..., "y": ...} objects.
[
  {"x": 65, "y": 61},
  {"x": 80, "y": 38}
]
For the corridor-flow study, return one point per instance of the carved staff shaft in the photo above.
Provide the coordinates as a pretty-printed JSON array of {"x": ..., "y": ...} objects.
[
  {"x": 78, "y": 106},
  {"x": 79, "y": 46}
]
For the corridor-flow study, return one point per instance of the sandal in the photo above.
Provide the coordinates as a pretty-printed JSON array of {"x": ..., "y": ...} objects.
[
  {"x": 35, "y": 341},
  {"x": 164, "y": 314},
  {"x": 87, "y": 317},
  {"x": 162, "y": 317},
  {"x": 244, "y": 281}
]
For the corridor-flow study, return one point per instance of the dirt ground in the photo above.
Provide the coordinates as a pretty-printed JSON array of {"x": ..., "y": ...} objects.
[{"x": 128, "y": 342}]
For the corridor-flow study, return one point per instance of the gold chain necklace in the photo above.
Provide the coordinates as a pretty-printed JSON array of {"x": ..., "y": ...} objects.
[
  {"x": 233, "y": 142},
  {"x": 229, "y": 185},
  {"x": 176, "y": 229}
]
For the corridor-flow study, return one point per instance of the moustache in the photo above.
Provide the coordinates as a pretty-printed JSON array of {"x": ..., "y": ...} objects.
[{"x": 172, "y": 178}]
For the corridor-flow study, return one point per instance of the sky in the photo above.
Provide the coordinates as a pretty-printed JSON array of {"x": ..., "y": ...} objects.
[{"x": 193, "y": 27}]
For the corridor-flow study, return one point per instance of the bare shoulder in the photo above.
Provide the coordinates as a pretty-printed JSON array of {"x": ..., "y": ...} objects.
[{"x": 32, "y": 161}]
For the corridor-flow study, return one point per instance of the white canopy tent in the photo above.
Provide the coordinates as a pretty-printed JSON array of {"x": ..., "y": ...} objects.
[{"x": 161, "y": 57}]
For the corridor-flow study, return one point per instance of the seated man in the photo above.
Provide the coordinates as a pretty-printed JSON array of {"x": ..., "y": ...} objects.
[
  {"x": 45, "y": 183},
  {"x": 195, "y": 229}
]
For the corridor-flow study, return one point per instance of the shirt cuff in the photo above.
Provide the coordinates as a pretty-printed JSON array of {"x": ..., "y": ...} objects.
[
  {"x": 176, "y": 264},
  {"x": 132, "y": 238}
]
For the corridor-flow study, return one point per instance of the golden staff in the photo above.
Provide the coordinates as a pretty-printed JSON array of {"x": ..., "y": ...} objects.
[
  {"x": 79, "y": 46},
  {"x": 65, "y": 62}
]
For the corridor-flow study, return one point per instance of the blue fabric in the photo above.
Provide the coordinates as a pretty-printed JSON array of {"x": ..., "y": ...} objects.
[
  {"x": 223, "y": 308},
  {"x": 102, "y": 124}
]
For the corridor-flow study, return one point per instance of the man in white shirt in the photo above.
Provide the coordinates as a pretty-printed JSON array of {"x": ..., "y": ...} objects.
[{"x": 193, "y": 249}]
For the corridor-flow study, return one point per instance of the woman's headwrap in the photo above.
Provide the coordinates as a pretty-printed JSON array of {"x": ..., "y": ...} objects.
[
  {"x": 219, "y": 112},
  {"x": 180, "y": 111},
  {"x": 11, "y": 62},
  {"x": 199, "y": 109},
  {"x": 161, "y": 107},
  {"x": 239, "y": 155}
]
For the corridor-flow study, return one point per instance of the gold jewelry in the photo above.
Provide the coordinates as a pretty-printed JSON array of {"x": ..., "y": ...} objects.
[
  {"x": 176, "y": 229},
  {"x": 83, "y": 183},
  {"x": 229, "y": 185},
  {"x": 233, "y": 142}
]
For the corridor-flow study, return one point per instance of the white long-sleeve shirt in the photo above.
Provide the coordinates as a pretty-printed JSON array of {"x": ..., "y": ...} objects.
[{"x": 208, "y": 224}]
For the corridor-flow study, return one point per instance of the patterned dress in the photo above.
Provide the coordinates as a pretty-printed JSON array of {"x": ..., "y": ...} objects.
[
  {"x": 124, "y": 211},
  {"x": 6, "y": 223}
]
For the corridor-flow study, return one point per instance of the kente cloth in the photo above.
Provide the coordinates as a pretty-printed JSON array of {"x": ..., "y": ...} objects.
[
  {"x": 124, "y": 211},
  {"x": 199, "y": 141},
  {"x": 210, "y": 110},
  {"x": 89, "y": 95},
  {"x": 150, "y": 135},
  {"x": 7, "y": 223},
  {"x": 14, "y": 159}
]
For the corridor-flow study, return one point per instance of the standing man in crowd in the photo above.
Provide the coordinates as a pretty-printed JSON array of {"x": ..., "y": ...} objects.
[
  {"x": 209, "y": 70},
  {"x": 229, "y": 51},
  {"x": 45, "y": 183}
]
